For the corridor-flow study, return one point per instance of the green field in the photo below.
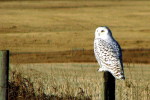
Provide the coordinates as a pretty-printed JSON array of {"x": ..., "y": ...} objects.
[{"x": 82, "y": 80}]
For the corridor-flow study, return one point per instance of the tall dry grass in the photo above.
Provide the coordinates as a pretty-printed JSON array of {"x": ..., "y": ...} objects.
[
  {"x": 21, "y": 88},
  {"x": 78, "y": 81}
]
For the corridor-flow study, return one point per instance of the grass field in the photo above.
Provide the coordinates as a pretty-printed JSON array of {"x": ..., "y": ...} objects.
[
  {"x": 81, "y": 80},
  {"x": 46, "y": 31},
  {"x": 32, "y": 27},
  {"x": 45, "y": 26}
]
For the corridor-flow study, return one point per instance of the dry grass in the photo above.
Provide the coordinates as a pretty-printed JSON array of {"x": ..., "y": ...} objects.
[
  {"x": 44, "y": 26},
  {"x": 21, "y": 88},
  {"x": 83, "y": 81}
]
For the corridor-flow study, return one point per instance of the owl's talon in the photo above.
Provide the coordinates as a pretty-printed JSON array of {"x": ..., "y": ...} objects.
[{"x": 100, "y": 70}]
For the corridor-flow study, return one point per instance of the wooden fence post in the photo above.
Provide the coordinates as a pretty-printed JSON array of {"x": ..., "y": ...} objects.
[
  {"x": 109, "y": 86},
  {"x": 4, "y": 66}
]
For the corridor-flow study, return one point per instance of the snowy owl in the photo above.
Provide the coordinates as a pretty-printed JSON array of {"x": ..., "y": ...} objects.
[{"x": 108, "y": 53}]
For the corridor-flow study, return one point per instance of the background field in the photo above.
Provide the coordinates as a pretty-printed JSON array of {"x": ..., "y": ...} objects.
[
  {"x": 32, "y": 27},
  {"x": 45, "y": 26}
]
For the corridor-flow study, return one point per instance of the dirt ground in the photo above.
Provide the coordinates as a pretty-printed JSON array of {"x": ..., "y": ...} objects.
[{"x": 129, "y": 56}]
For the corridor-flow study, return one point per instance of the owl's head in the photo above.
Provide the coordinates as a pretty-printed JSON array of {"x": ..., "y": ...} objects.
[{"x": 103, "y": 32}]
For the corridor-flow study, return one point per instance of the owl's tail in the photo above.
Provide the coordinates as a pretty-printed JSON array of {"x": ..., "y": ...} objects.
[
  {"x": 118, "y": 74},
  {"x": 122, "y": 78}
]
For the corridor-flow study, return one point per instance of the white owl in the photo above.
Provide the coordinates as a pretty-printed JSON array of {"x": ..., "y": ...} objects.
[{"x": 108, "y": 53}]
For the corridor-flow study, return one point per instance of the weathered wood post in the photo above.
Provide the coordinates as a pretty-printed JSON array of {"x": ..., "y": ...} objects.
[
  {"x": 4, "y": 66},
  {"x": 109, "y": 86}
]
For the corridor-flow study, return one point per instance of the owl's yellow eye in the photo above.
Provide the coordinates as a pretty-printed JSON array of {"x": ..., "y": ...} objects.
[{"x": 102, "y": 31}]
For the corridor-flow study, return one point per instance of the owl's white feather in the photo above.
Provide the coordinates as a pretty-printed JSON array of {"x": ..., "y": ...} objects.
[{"x": 108, "y": 53}]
